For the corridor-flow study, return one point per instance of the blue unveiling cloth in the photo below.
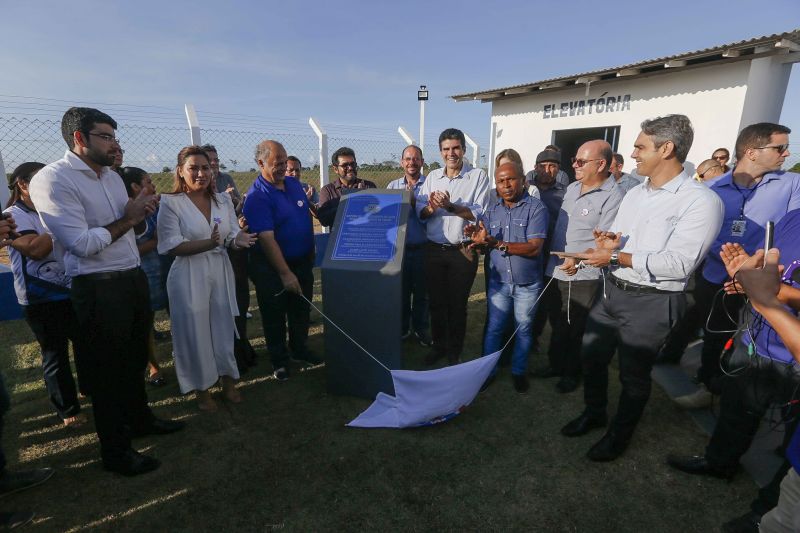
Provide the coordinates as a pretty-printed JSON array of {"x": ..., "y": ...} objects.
[{"x": 285, "y": 213}]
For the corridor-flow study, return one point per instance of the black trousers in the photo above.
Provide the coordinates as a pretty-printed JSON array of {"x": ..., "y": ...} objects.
[
  {"x": 114, "y": 317},
  {"x": 577, "y": 298},
  {"x": 54, "y": 324},
  {"x": 548, "y": 309},
  {"x": 711, "y": 308},
  {"x": 759, "y": 382},
  {"x": 450, "y": 273},
  {"x": 279, "y": 307},
  {"x": 634, "y": 325},
  {"x": 245, "y": 355}
]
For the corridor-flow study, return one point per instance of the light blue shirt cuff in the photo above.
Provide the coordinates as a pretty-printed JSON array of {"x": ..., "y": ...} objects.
[{"x": 639, "y": 263}]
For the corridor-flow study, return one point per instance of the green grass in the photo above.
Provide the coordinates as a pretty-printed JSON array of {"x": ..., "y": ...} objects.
[{"x": 283, "y": 460}]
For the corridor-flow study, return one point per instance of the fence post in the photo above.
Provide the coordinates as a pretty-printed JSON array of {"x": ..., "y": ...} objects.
[
  {"x": 322, "y": 155},
  {"x": 406, "y": 136},
  {"x": 4, "y": 192},
  {"x": 475, "y": 150},
  {"x": 194, "y": 125}
]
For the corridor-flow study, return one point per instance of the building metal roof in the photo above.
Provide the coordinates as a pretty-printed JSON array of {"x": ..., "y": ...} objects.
[{"x": 787, "y": 43}]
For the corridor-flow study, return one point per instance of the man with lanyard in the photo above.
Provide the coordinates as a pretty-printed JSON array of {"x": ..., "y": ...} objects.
[
  {"x": 551, "y": 191},
  {"x": 345, "y": 166},
  {"x": 762, "y": 371},
  {"x": 85, "y": 206},
  {"x": 512, "y": 231},
  {"x": 451, "y": 197},
  {"x": 277, "y": 209},
  {"x": 591, "y": 202},
  {"x": 661, "y": 232},
  {"x": 754, "y": 192},
  {"x": 415, "y": 313}
]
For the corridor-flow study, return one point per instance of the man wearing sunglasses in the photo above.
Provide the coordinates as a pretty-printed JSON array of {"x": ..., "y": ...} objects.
[
  {"x": 754, "y": 192},
  {"x": 662, "y": 230},
  {"x": 345, "y": 166}
]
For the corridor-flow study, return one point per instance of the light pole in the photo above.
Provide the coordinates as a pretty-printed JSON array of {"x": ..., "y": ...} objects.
[{"x": 422, "y": 96}]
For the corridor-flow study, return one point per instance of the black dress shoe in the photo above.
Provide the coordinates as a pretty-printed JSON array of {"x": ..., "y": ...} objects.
[
  {"x": 159, "y": 426},
  {"x": 699, "y": 465},
  {"x": 132, "y": 463},
  {"x": 545, "y": 372},
  {"x": 567, "y": 384},
  {"x": 583, "y": 424},
  {"x": 521, "y": 384},
  {"x": 607, "y": 449}
]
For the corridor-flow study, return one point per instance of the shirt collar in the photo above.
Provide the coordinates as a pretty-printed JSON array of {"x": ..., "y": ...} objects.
[
  {"x": 727, "y": 178},
  {"x": 674, "y": 184},
  {"x": 79, "y": 164},
  {"x": 524, "y": 200},
  {"x": 465, "y": 167}
]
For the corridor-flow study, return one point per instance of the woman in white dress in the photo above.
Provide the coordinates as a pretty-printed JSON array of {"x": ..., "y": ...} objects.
[{"x": 195, "y": 224}]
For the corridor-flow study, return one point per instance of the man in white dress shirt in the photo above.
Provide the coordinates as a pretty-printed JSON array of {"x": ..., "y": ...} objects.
[
  {"x": 84, "y": 205},
  {"x": 451, "y": 197},
  {"x": 662, "y": 231}
]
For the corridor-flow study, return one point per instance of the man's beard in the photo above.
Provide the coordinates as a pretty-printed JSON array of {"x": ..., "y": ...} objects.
[{"x": 100, "y": 158}]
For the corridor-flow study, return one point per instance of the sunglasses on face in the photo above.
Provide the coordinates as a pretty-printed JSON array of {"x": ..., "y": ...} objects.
[
  {"x": 780, "y": 147},
  {"x": 706, "y": 171},
  {"x": 348, "y": 165},
  {"x": 580, "y": 162}
]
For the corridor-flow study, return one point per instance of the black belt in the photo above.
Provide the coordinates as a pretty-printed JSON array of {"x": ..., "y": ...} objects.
[
  {"x": 636, "y": 288},
  {"x": 114, "y": 274},
  {"x": 446, "y": 246}
]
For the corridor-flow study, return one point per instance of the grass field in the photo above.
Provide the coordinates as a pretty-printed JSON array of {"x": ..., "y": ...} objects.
[{"x": 284, "y": 460}]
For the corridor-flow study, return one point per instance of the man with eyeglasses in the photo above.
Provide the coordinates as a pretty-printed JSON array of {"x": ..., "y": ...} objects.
[
  {"x": 84, "y": 204},
  {"x": 755, "y": 192},
  {"x": 345, "y": 166},
  {"x": 722, "y": 156},
  {"x": 416, "y": 317},
  {"x": 450, "y": 198},
  {"x": 709, "y": 171},
  {"x": 662, "y": 231}
]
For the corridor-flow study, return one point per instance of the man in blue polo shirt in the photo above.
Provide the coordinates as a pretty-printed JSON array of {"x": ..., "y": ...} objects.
[
  {"x": 415, "y": 314},
  {"x": 754, "y": 192},
  {"x": 276, "y": 208},
  {"x": 512, "y": 231}
]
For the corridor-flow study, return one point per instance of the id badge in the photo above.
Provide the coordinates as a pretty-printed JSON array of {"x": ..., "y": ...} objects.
[{"x": 738, "y": 227}]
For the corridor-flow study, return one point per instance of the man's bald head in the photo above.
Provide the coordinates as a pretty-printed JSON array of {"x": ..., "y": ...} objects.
[
  {"x": 271, "y": 159},
  {"x": 709, "y": 169},
  {"x": 593, "y": 161}
]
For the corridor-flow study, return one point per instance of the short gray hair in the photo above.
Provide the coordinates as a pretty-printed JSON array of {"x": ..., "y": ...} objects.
[
  {"x": 675, "y": 128},
  {"x": 262, "y": 151}
]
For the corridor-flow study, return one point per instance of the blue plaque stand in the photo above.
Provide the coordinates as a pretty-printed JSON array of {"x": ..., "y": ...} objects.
[{"x": 362, "y": 281}]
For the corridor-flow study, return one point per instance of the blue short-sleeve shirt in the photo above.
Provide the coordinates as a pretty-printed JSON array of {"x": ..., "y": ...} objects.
[
  {"x": 526, "y": 220},
  {"x": 284, "y": 212}
]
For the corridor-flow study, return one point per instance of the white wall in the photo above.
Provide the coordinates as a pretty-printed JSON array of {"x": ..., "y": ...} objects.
[{"x": 712, "y": 97}]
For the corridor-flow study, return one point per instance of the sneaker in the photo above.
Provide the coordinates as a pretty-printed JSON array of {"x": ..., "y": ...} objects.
[
  {"x": 15, "y": 519},
  {"x": 306, "y": 358},
  {"x": 12, "y": 482},
  {"x": 281, "y": 374},
  {"x": 700, "y": 399},
  {"x": 405, "y": 335},
  {"x": 521, "y": 384},
  {"x": 423, "y": 338}
]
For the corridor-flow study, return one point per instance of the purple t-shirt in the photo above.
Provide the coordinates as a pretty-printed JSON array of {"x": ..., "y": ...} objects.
[{"x": 768, "y": 343}]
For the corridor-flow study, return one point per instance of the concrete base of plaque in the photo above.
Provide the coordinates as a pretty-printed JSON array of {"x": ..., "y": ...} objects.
[{"x": 362, "y": 291}]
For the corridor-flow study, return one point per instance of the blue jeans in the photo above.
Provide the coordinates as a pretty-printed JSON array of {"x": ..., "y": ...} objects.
[
  {"x": 505, "y": 300},
  {"x": 415, "y": 310}
]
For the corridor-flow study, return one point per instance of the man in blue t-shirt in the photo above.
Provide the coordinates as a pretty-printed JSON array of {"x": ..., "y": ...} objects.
[
  {"x": 762, "y": 372},
  {"x": 276, "y": 208}
]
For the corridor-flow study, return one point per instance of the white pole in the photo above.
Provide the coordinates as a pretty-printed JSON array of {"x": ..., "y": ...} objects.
[
  {"x": 422, "y": 125},
  {"x": 492, "y": 151},
  {"x": 194, "y": 125},
  {"x": 322, "y": 155},
  {"x": 405, "y": 135},
  {"x": 475, "y": 150},
  {"x": 5, "y": 194}
]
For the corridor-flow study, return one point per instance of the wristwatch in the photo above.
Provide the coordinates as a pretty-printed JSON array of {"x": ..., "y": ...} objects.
[
  {"x": 614, "y": 261},
  {"x": 502, "y": 246}
]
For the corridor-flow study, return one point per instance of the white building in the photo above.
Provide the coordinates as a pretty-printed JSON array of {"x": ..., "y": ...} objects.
[{"x": 721, "y": 90}]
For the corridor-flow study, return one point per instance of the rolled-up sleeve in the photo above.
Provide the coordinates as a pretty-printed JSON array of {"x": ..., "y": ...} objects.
[
  {"x": 169, "y": 227},
  {"x": 691, "y": 239},
  {"x": 63, "y": 215}
]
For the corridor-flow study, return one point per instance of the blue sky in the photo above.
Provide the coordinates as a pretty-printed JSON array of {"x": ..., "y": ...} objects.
[{"x": 349, "y": 62}]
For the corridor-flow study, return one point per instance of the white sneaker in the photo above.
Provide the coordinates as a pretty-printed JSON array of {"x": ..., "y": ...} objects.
[{"x": 699, "y": 399}]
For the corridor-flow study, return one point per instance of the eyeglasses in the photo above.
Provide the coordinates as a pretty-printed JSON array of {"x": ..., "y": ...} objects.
[
  {"x": 706, "y": 171},
  {"x": 580, "y": 162},
  {"x": 721, "y": 157},
  {"x": 105, "y": 136},
  {"x": 348, "y": 165},
  {"x": 780, "y": 148}
]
